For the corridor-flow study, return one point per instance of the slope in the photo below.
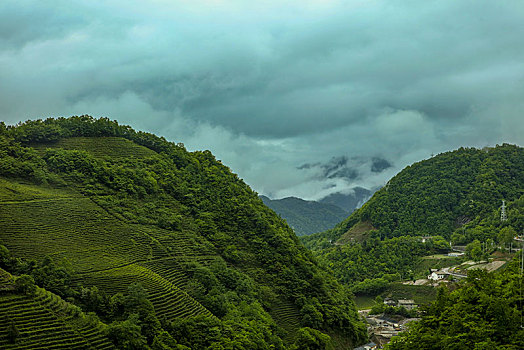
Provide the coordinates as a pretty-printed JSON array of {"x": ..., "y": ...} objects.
[
  {"x": 43, "y": 320},
  {"x": 123, "y": 206},
  {"x": 485, "y": 312}
]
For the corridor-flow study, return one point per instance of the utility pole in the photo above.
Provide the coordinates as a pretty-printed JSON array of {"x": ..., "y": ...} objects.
[
  {"x": 521, "y": 239},
  {"x": 503, "y": 216}
]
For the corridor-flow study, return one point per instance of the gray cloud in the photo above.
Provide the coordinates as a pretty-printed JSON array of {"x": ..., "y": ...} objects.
[{"x": 269, "y": 86}]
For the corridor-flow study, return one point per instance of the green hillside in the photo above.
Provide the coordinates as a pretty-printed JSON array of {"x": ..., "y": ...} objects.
[
  {"x": 438, "y": 195},
  {"x": 43, "y": 320},
  {"x": 306, "y": 217},
  {"x": 455, "y": 196},
  {"x": 100, "y": 207}
]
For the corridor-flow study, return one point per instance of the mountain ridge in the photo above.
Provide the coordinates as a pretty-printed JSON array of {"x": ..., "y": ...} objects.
[{"x": 306, "y": 217}]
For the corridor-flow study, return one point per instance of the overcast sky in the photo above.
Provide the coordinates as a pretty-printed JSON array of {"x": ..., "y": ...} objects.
[{"x": 278, "y": 90}]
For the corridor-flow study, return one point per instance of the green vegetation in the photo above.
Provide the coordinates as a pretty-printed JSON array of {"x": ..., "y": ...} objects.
[
  {"x": 306, "y": 217},
  {"x": 97, "y": 206},
  {"x": 369, "y": 266},
  {"x": 364, "y": 302},
  {"x": 37, "y": 319},
  {"x": 484, "y": 313},
  {"x": 489, "y": 228},
  {"x": 437, "y": 195},
  {"x": 420, "y": 294},
  {"x": 455, "y": 196}
]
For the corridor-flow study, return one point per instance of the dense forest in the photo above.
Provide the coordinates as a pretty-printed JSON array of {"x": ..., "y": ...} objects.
[{"x": 91, "y": 207}]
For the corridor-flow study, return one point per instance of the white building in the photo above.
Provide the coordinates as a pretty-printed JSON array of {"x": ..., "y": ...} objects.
[{"x": 438, "y": 275}]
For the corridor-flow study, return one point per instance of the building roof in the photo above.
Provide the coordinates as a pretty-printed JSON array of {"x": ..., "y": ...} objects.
[{"x": 370, "y": 345}]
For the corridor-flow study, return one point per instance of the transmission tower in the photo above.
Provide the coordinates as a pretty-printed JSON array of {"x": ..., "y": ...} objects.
[{"x": 503, "y": 216}]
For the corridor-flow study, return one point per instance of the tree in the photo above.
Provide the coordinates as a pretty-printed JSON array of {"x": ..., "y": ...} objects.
[
  {"x": 506, "y": 235},
  {"x": 311, "y": 317},
  {"x": 311, "y": 339},
  {"x": 474, "y": 250},
  {"x": 25, "y": 284},
  {"x": 440, "y": 244},
  {"x": 127, "y": 334}
]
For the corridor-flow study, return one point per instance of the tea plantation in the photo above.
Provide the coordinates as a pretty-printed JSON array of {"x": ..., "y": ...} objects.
[{"x": 161, "y": 248}]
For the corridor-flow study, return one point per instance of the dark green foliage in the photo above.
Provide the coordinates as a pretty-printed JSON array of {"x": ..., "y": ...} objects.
[
  {"x": 311, "y": 317},
  {"x": 56, "y": 277},
  {"x": 484, "y": 313},
  {"x": 311, "y": 339},
  {"x": 474, "y": 251},
  {"x": 255, "y": 332},
  {"x": 376, "y": 260},
  {"x": 127, "y": 335},
  {"x": 53, "y": 276},
  {"x": 490, "y": 226},
  {"x": 12, "y": 330},
  {"x": 369, "y": 286},
  {"x": 25, "y": 284}
]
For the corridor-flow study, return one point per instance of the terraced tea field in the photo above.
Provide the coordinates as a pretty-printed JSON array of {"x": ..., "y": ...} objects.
[
  {"x": 106, "y": 251},
  {"x": 285, "y": 313},
  {"x": 166, "y": 294},
  {"x": 47, "y": 322}
]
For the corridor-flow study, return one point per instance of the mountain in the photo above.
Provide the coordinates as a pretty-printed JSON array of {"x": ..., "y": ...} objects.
[
  {"x": 156, "y": 246},
  {"x": 306, "y": 217},
  {"x": 440, "y": 194}
]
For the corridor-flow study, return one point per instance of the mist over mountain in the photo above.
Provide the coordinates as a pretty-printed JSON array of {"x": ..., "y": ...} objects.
[
  {"x": 349, "y": 201},
  {"x": 336, "y": 199},
  {"x": 306, "y": 217}
]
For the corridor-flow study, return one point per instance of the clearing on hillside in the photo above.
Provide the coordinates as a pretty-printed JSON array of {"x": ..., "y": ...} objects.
[{"x": 356, "y": 233}]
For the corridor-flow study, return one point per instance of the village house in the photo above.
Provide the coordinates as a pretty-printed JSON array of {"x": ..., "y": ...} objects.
[
  {"x": 390, "y": 302},
  {"x": 438, "y": 275},
  {"x": 368, "y": 346}
]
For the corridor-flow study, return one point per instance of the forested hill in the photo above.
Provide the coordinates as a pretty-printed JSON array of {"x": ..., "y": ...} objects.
[
  {"x": 306, "y": 217},
  {"x": 438, "y": 195},
  {"x": 161, "y": 247}
]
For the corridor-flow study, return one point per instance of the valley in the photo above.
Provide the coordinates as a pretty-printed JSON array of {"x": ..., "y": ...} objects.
[{"x": 130, "y": 241}]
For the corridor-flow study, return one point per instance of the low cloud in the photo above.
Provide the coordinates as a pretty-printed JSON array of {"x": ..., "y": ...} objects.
[{"x": 272, "y": 86}]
